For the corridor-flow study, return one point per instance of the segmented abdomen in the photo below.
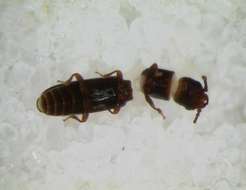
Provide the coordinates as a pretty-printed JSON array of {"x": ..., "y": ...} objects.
[{"x": 61, "y": 100}]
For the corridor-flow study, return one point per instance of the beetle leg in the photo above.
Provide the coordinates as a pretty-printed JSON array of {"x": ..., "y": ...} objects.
[
  {"x": 118, "y": 74},
  {"x": 72, "y": 117},
  {"x": 151, "y": 103},
  {"x": 197, "y": 115},
  {"x": 205, "y": 83},
  {"x": 114, "y": 110},
  {"x": 83, "y": 119},
  {"x": 75, "y": 75}
]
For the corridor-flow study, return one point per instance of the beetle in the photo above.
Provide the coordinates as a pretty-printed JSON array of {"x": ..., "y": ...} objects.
[
  {"x": 162, "y": 84},
  {"x": 84, "y": 96}
]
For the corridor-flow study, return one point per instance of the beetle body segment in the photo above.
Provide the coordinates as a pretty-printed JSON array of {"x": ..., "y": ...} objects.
[
  {"x": 160, "y": 83},
  {"x": 157, "y": 82},
  {"x": 61, "y": 100},
  {"x": 105, "y": 93},
  {"x": 86, "y": 96}
]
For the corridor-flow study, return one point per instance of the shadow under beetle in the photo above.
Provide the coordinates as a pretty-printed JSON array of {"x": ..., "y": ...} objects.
[
  {"x": 86, "y": 96},
  {"x": 162, "y": 84}
]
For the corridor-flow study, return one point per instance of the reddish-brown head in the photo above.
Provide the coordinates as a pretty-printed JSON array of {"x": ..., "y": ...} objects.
[{"x": 191, "y": 94}]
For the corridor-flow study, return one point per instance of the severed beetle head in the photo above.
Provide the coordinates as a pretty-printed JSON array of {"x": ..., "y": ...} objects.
[{"x": 192, "y": 95}]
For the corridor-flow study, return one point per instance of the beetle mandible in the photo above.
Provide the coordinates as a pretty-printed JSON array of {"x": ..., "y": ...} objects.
[
  {"x": 86, "y": 96},
  {"x": 162, "y": 84}
]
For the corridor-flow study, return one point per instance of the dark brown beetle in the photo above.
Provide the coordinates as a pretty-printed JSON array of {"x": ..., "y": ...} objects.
[
  {"x": 86, "y": 96},
  {"x": 162, "y": 84}
]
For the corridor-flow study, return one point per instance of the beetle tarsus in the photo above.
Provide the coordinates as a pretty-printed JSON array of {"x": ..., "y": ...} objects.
[
  {"x": 204, "y": 78},
  {"x": 77, "y": 76}
]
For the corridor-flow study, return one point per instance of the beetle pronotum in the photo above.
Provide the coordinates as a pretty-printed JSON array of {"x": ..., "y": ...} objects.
[
  {"x": 162, "y": 84},
  {"x": 86, "y": 96}
]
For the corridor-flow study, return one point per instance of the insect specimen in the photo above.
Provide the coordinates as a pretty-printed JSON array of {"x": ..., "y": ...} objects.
[
  {"x": 84, "y": 96},
  {"x": 162, "y": 84}
]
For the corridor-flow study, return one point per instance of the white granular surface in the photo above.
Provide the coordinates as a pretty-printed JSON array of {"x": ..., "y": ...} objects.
[{"x": 45, "y": 41}]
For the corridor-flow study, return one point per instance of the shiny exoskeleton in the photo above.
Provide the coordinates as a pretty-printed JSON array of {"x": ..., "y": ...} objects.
[
  {"x": 86, "y": 96},
  {"x": 162, "y": 84}
]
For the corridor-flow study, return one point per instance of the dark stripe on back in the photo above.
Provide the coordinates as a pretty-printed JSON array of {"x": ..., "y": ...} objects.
[
  {"x": 78, "y": 99},
  {"x": 72, "y": 98},
  {"x": 54, "y": 101},
  {"x": 50, "y": 103},
  {"x": 59, "y": 101},
  {"x": 67, "y": 100}
]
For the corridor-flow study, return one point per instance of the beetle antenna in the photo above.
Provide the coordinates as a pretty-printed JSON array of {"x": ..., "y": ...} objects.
[
  {"x": 100, "y": 74},
  {"x": 197, "y": 115},
  {"x": 205, "y": 83},
  {"x": 118, "y": 74}
]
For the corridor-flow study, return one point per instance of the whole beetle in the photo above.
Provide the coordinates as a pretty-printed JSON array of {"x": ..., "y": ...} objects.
[{"x": 84, "y": 96}]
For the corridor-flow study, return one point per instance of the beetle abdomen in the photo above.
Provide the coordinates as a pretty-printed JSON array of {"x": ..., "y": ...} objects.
[{"x": 61, "y": 100}]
